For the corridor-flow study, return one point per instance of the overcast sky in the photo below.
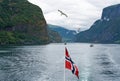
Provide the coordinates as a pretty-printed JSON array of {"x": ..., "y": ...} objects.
[{"x": 81, "y": 13}]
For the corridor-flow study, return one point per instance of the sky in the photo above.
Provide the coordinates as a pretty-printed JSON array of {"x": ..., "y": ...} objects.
[{"x": 81, "y": 13}]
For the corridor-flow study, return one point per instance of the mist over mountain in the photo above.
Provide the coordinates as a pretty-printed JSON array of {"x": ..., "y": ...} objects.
[{"x": 104, "y": 30}]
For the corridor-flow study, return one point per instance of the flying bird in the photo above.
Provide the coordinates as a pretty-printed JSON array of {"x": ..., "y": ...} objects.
[{"x": 62, "y": 13}]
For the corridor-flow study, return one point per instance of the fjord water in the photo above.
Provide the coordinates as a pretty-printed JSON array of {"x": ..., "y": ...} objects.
[{"x": 46, "y": 62}]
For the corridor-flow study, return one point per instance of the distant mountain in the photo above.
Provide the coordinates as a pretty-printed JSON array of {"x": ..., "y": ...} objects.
[
  {"x": 104, "y": 30},
  {"x": 67, "y": 35},
  {"x": 22, "y": 23}
]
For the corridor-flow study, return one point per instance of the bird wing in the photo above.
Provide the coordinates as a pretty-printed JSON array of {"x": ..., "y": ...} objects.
[{"x": 62, "y": 13}]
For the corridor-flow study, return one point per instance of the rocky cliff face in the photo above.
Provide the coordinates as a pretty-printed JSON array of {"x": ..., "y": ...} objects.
[
  {"x": 104, "y": 30},
  {"x": 111, "y": 12},
  {"x": 22, "y": 23}
]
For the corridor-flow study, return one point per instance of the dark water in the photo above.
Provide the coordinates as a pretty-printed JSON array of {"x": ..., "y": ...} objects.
[{"x": 46, "y": 62}]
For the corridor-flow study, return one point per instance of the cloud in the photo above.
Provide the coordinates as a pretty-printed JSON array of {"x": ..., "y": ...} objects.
[{"x": 81, "y": 13}]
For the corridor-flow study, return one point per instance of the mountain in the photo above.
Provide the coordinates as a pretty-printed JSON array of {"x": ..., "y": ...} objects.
[
  {"x": 54, "y": 36},
  {"x": 67, "y": 35},
  {"x": 22, "y": 23},
  {"x": 104, "y": 30}
]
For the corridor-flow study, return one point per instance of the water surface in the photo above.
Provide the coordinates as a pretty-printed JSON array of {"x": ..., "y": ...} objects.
[{"x": 46, "y": 62}]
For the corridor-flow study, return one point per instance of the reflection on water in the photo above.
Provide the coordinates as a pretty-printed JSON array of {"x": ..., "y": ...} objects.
[{"x": 46, "y": 62}]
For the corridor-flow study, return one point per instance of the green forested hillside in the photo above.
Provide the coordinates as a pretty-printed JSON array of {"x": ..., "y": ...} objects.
[{"x": 22, "y": 23}]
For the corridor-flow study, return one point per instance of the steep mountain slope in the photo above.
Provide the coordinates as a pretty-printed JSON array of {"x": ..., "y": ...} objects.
[
  {"x": 67, "y": 35},
  {"x": 22, "y": 23},
  {"x": 104, "y": 30},
  {"x": 54, "y": 36}
]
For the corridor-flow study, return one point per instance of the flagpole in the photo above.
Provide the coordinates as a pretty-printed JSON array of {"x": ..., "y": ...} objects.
[
  {"x": 64, "y": 66},
  {"x": 64, "y": 69}
]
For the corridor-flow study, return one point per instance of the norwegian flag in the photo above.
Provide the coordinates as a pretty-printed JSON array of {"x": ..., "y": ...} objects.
[{"x": 69, "y": 64}]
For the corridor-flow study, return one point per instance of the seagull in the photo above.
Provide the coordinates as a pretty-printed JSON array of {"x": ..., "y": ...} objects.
[{"x": 62, "y": 13}]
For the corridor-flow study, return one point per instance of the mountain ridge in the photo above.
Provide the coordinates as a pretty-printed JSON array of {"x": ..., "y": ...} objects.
[{"x": 104, "y": 30}]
